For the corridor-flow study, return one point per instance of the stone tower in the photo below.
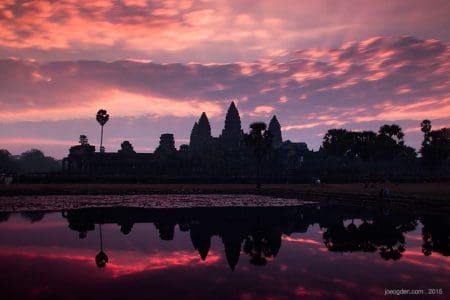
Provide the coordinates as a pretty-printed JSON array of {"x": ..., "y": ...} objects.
[
  {"x": 232, "y": 133},
  {"x": 166, "y": 144},
  {"x": 200, "y": 134},
  {"x": 275, "y": 130}
]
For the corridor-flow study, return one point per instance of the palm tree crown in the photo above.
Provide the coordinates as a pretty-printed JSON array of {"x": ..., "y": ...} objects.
[{"x": 102, "y": 117}]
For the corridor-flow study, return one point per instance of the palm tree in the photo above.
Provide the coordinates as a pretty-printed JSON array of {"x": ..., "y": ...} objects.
[
  {"x": 392, "y": 131},
  {"x": 260, "y": 140},
  {"x": 425, "y": 127},
  {"x": 102, "y": 118}
]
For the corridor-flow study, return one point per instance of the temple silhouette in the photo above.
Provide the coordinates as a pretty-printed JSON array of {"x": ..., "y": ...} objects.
[{"x": 206, "y": 158}]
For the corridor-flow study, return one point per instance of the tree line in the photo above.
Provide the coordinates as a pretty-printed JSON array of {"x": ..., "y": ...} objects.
[
  {"x": 31, "y": 161},
  {"x": 388, "y": 144}
]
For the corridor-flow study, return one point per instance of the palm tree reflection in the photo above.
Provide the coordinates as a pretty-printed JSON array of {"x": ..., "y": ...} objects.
[{"x": 101, "y": 259}]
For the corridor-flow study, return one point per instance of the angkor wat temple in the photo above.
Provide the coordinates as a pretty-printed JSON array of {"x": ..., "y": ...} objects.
[{"x": 206, "y": 158}]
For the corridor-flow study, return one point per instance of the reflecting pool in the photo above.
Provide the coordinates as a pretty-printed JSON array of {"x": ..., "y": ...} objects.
[{"x": 279, "y": 252}]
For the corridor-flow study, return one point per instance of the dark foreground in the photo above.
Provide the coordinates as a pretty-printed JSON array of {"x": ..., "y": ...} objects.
[{"x": 309, "y": 250}]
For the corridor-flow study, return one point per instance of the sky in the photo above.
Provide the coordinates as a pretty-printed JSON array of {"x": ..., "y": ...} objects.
[{"x": 155, "y": 66}]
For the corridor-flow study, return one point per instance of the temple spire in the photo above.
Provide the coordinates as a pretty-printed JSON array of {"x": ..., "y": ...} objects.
[
  {"x": 275, "y": 130},
  {"x": 200, "y": 134},
  {"x": 232, "y": 132},
  {"x": 204, "y": 129}
]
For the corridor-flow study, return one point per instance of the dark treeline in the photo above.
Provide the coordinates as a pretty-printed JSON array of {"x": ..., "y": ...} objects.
[
  {"x": 31, "y": 161},
  {"x": 384, "y": 155}
]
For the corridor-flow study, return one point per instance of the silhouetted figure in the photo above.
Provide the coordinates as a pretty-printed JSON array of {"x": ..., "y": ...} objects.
[{"x": 102, "y": 118}]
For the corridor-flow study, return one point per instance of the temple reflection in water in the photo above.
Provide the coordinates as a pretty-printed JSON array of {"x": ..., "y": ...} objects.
[
  {"x": 258, "y": 232},
  {"x": 313, "y": 251}
]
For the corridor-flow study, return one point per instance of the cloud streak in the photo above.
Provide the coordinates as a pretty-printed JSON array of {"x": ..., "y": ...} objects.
[
  {"x": 357, "y": 85},
  {"x": 204, "y": 31}
]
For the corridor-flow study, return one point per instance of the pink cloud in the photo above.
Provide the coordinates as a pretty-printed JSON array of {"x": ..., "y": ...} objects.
[
  {"x": 310, "y": 91},
  {"x": 121, "y": 263},
  {"x": 301, "y": 240},
  {"x": 203, "y": 28},
  {"x": 34, "y": 141},
  {"x": 263, "y": 109}
]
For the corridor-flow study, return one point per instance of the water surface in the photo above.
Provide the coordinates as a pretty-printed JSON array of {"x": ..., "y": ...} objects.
[{"x": 282, "y": 252}]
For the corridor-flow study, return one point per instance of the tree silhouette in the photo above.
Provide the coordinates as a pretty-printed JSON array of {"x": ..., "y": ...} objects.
[
  {"x": 102, "y": 118},
  {"x": 126, "y": 148},
  {"x": 33, "y": 216},
  {"x": 425, "y": 127},
  {"x": 436, "y": 144},
  {"x": 7, "y": 162},
  {"x": 259, "y": 140},
  {"x": 262, "y": 244},
  {"x": 364, "y": 145},
  {"x": 338, "y": 142},
  {"x": 34, "y": 160},
  {"x": 392, "y": 131},
  {"x": 435, "y": 235},
  {"x": 389, "y": 143},
  {"x": 83, "y": 140}
]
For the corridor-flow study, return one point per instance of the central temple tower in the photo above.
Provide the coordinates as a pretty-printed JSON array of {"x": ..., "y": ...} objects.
[{"x": 232, "y": 134}]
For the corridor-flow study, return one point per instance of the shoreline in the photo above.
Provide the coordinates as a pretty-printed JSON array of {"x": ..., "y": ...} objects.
[
  {"x": 430, "y": 197},
  {"x": 423, "y": 191}
]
